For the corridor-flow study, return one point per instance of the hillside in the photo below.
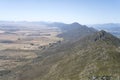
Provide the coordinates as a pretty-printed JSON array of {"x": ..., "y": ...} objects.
[
  {"x": 75, "y": 31},
  {"x": 94, "y": 56}
]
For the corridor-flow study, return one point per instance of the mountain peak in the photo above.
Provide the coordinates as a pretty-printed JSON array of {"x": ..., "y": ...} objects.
[
  {"x": 102, "y": 31},
  {"x": 101, "y": 34},
  {"x": 76, "y": 24},
  {"x": 104, "y": 36}
]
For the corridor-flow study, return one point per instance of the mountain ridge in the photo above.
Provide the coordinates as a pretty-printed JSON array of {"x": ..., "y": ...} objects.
[
  {"x": 76, "y": 62},
  {"x": 91, "y": 54}
]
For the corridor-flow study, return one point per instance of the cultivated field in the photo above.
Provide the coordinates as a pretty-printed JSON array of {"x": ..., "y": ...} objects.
[
  {"x": 17, "y": 48},
  {"x": 28, "y": 39}
]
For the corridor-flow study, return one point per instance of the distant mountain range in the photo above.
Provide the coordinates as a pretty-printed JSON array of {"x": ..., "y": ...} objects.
[
  {"x": 113, "y": 28},
  {"x": 12, "y": 25}
]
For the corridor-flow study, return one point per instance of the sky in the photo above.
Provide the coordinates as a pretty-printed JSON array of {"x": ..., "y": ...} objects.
[{"x": 67, "y": 11}]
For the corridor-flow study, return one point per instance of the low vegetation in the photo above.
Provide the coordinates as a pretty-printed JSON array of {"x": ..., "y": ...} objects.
[{"x": 93, "y": 56}]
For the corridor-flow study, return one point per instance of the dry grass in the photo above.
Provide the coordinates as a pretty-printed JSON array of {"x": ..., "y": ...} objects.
[{"x": 22, "y": 39}]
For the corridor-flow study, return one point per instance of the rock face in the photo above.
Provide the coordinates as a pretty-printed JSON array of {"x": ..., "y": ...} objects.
[
  {"x": 113, "y": 28},
  {"x": 101, "y": 36},
  {"x": 101, "y": 78},
  {"x": 94, "y": 57}
]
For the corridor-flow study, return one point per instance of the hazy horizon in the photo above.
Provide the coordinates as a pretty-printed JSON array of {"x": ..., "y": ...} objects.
[{"x": 66, "y": 11}]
